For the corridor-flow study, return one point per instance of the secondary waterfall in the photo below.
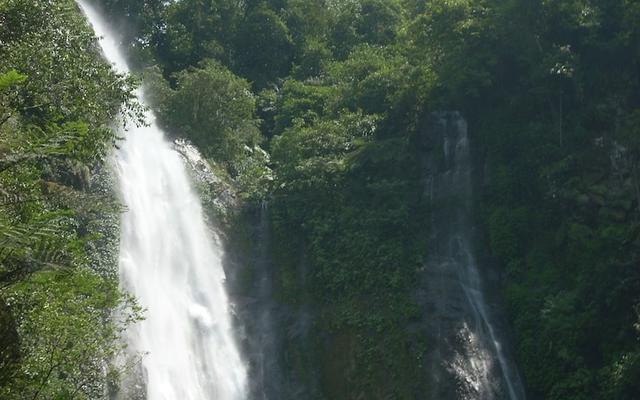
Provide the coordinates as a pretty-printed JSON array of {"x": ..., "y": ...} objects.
[
  {"x": 468, "y": 359},
  {"x": 171, "y": 262}
]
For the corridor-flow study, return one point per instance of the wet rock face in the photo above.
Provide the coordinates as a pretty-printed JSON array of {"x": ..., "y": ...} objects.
[
  {"x": 466, "y": 358},
  {"x": 245, "y": 233},
  {"x": 447, "y": 160},
  {"x": 273, "y": 334},
  {"x": 221, "y": 193}
]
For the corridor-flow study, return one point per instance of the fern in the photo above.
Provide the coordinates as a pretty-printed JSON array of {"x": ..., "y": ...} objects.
[
  {"x": 11, "y": 78},
  {"x": 27, "y": 248}
]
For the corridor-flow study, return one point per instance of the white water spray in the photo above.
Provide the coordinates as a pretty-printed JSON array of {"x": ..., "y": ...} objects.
[{"x": 171, "y": 263}]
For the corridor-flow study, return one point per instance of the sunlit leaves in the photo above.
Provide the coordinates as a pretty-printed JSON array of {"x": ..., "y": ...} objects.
[
  {"x": 11, "y": 78},
  {"x": 58, "y": 101},
  {"x": 215, "y": 109},
  {"x": 313, "y": 157},
  {"x": 67, "y": 334},
  {"x": 67, "y": 78}
]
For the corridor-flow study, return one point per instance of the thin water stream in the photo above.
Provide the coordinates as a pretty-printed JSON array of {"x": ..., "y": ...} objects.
[{"x": 468, "y": 358}]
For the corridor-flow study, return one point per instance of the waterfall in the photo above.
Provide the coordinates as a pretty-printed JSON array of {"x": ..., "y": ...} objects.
[
  {"x": 172, "y": 263},
  {"x": 468, "y": 359}
]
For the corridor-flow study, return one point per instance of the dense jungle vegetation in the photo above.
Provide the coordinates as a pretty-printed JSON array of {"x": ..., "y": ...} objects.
[
  {"x": 316, "y": 106},
  {"x": 58, "y": 221}
]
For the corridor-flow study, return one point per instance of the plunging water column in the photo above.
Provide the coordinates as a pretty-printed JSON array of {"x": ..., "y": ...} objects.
[{"x": 170, "y": 261}]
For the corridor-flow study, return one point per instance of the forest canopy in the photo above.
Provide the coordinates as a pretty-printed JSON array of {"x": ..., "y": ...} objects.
[{"x": 317, "y": 106}]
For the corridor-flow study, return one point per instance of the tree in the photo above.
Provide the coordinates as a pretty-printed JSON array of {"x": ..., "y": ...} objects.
[
  {"x": 374, "y": 22},
  {"x": 264, "y": 47},
  {"x": 215, "y": 109}
]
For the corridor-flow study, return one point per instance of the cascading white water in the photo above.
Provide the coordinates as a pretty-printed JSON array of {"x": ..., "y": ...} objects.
[{"x": 170, "y": 261}]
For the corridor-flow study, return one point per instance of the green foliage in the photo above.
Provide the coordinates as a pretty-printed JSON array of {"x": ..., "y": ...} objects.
[
  {"x": 373, "y": 22},
  {"x": 308, "y": 22},
  {"x": 560, "y": 201},
  {"x": 315, "y": 54},
  {"x": 57, "y": 293},
  {"x": 265, "y": 47},
  {"x": 371, "y": 78},
  {"x": 215, "y": 109},
  {"x": 313, "y": 158},
  {"x": 349, "y": 197},
  {"x": 10, "y": 79},
  {"x": 67, "y": 335},
  {"x": 57, "y": 50},
  {"x": 456, "y": 39},
  {"x": 196, "y": 30},
  {"x": 300, "y": 103}
]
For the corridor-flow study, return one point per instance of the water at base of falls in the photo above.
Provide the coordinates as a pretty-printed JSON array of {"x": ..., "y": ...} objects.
[
  {"x": 467, "y": 359},
  {"x": 172, "y": 263}
]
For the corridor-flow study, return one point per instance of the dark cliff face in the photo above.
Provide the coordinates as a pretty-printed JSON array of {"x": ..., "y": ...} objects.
[
  {"x": 274, "y": 336},
  {"x": 257, "y": 312},
  {"x": 467, "y": 356}
]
